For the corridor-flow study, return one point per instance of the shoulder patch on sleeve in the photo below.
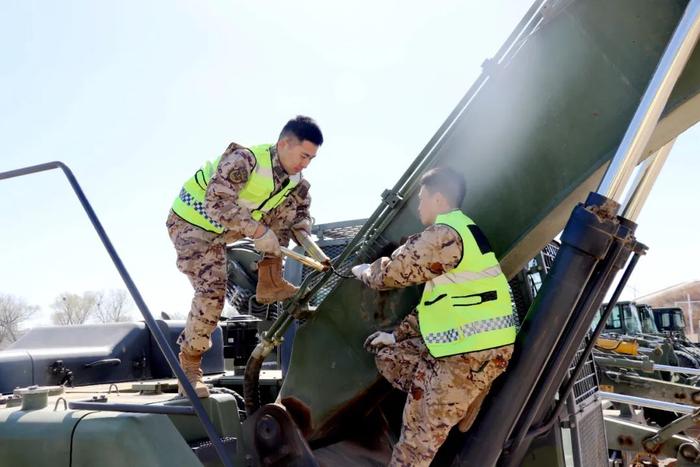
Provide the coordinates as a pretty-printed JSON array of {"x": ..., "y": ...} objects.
[
  {"x": 238, "y": 174},
  {"x": 237, "y": 166}
]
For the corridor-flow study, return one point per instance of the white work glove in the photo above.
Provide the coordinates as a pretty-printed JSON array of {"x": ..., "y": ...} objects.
[
  {"x": 268, "y": 243},
  {"x": 360, "y": 269},
  {"x": 379, "y": 339}
]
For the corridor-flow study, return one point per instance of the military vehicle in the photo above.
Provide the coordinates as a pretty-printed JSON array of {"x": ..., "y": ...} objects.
[
  {"x": 637, "y": 323},
  {"x": 646, "y": 316},
  {"x": 632, "y": 322},
  {"x": 547, "y": 138},
  {"x": 631, "y": 354},
  {"x": 670, "y": 321}
]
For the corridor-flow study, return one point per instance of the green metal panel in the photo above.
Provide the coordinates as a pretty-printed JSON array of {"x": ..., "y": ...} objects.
[
  {"x": 223, "y": 411},
  {"x": 71, "y": 438},
  {"x": 532, "y": 143},
  {"x": 110, "y": 439},
  {"x": 38, "y": 438}
]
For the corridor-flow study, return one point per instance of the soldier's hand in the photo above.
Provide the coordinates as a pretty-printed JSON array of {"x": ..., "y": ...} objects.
[
  {"x": 268, "y": 243},
  {"x": 379, "y": 339},
  {"x": 303, "y": 225},
  {"x": 359, "y": 270}
]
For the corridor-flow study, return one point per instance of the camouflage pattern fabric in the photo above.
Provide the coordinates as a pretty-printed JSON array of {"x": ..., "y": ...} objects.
[
  {"x": 201, "y": 255},
  {"x": 423, "y": 257},
  {"x": 408, "y": 327},
  {"x": 441, "y": 393}
]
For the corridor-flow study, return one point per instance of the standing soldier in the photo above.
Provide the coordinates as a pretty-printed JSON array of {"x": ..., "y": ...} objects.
[
  {"x": 447, "y": 352},
  {"x": 256, "y": 192}
]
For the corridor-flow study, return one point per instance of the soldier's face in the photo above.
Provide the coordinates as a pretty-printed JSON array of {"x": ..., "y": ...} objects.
[
  {"x": 429, "y": 205},
  {"x": 295, "y": 155}
]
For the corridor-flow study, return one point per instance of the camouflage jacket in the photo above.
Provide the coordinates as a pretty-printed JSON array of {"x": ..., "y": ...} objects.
[
  {"x": 231, "y": 175},
  {"x": 423, "y": 257}
]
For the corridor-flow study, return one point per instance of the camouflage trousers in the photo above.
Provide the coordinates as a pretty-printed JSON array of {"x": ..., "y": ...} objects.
[
  {"x": 201, "y": 255},
  {"x": 442, "y": 392}
]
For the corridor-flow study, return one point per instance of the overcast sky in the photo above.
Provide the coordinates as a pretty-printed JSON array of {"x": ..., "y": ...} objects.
[{"x": 134, "y": 96}]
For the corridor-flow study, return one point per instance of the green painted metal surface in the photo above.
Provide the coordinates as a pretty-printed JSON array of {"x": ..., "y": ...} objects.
[
  {"x": 223, "y": 412},
  {"x": 40, "y": 438},
  {"x": 531, "y": 144},
  {"x": 137, "y": 440},
  {"x": 72, "y": 438}
]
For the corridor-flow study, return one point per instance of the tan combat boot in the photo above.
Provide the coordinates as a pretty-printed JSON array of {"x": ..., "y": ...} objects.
[
  {"x": 271, "y": 285},
  {"x": 191, "y": 364}
]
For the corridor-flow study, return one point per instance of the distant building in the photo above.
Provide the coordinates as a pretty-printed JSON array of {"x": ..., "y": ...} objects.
[{"x": 686, "y": 296}]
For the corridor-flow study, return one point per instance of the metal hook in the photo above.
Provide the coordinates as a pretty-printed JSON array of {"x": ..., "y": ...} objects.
[{"x": 65, "y": 404}]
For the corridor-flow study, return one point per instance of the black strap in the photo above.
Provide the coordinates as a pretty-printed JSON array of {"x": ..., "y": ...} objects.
[
  {"x": 484, "y": 297},
  {"x": 274, "y": 193},
  {"x": 481, "y": 240},
  {"x": 196, "y": 179},
  {"x": 437, "y": 299}
]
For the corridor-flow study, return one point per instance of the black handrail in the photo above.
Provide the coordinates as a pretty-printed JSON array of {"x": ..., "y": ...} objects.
[{"x": 136, "y": 296}]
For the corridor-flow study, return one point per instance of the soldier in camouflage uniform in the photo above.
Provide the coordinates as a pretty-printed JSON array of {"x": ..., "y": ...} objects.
[
  {"x": 442, "y": 391},
  {"x": 200, "y": 235}
]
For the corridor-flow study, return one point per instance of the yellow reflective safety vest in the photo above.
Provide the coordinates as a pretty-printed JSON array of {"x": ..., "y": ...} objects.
[
  {"x": 468, "y": 308},
  {"x": 258, "y": 194}
]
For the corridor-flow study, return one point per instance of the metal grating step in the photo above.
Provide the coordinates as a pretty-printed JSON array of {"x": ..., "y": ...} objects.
[{"x": 205, "y": 451}]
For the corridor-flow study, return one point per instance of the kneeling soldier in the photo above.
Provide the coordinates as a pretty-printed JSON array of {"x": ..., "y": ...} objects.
[{"x": 447, "y": 352}]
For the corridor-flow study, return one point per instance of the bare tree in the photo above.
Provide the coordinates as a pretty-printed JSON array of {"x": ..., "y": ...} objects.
[
  {"x": 113, "y": 306},
  {"x": 13, "y": 312},
  {"x": 70, "y": 308}
]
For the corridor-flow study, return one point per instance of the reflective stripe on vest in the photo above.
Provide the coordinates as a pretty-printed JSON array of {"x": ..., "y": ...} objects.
[
  {"x": 468, "y": 308},
  {"x": 257, "y": 195}
]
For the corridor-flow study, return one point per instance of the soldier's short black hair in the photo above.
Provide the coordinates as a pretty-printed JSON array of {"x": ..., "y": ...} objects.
[
  {"x": 304, "y": 129},
  {"x": 446, "y": 181}
]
